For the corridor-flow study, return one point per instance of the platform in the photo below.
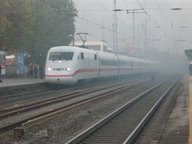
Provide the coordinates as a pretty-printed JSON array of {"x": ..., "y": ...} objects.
[
  {"x": 190, "y": 110},
  {"x": 176, "y": 130},
  {"x": 8, "y": 82}
]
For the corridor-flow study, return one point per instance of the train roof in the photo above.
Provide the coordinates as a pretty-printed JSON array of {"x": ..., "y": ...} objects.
[
  {"x": 74, "y": 48},
  {"x": 64, "y": 48}
]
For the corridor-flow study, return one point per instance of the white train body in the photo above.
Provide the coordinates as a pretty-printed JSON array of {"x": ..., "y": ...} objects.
[{"x": 67, "y": 65}]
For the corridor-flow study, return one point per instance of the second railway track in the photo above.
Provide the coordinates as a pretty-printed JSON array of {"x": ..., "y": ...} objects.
[{"x": 124, "y": 124}]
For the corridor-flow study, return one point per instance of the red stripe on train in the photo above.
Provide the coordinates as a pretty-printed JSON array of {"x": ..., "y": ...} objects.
[{"x": 88, "y": 70}]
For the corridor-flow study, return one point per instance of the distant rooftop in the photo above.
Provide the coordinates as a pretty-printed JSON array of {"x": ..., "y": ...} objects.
[{"x": 95, "y": 45}]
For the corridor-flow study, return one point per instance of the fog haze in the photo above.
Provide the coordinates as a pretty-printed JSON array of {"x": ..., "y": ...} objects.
[{"x": 162, "y": 31}]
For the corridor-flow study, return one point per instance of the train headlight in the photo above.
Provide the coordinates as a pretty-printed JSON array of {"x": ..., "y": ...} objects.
[
  {"x": 68, "y": 69},
  {"x": 49, "y": 69}
]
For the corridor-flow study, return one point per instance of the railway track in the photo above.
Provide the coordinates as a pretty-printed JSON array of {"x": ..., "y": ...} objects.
[
  {"x": 125, "y": 124},
  {"x": 27, "y": 97},
  {"x": 54, "y": 97},
  {"x": 32, "y": 113}
]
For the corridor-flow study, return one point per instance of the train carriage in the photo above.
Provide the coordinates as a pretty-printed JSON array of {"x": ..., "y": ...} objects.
[
  {"x": 68, "y": 65},
  {"x": 108, "y": 64}
]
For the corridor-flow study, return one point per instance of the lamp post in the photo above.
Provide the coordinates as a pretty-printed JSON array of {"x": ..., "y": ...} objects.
[{"x": 174, "y": 9}]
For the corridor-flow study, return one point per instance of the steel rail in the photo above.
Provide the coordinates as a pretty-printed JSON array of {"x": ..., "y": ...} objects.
[
  {"x": 132, "y": 137},
  {"x": 93, "y": 128},
  {"x": 20, "y": 122},
  {"x": 52, "y": 97},
  {"x": 26, "y": 95},
  {"x": 37, "y": 104}
]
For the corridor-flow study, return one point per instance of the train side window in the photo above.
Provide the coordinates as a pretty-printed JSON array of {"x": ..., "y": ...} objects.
[
  {"x": 95, "y": 57},
  {"x": 82, "y": 56}
]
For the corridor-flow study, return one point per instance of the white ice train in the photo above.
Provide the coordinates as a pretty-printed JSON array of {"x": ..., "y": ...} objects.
[{"x": 69, "y": 64}]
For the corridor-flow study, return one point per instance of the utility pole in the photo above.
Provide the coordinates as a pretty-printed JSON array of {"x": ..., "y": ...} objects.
[
  {"x": 115, "y": 27},
  {"x": 115, "y": 42},
  {"x": 103, "y": 32},
  {"x": 146, "y": 36},
  {"x": 133, "y": 11}
]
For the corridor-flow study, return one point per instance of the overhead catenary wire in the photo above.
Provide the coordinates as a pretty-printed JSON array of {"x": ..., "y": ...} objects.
[
  {"x": 164, "y": 19},
  {"x": 101, "y": 26},
  {"x": 153, "y": 21}
]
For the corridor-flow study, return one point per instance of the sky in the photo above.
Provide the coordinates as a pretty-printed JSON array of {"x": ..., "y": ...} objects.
[{"x": 157, "y": 26}]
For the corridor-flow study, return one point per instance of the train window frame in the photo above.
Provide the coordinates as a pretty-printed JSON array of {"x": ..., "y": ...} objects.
[
  {"x": 95, "y": 57},
  {"x": 61, "y": 56},
  {"x": 82, "y": 55}
]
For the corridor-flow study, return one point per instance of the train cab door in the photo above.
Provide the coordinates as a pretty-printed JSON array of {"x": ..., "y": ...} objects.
[
  {"x": 97, "y": 58},
  {"x": 82, "y": 65}
]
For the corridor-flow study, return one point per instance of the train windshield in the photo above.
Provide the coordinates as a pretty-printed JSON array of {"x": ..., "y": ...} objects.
[{"x": 61, "y": 56}]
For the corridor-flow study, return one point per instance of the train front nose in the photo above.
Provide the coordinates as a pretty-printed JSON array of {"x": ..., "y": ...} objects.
[{"x": 60, "y": 76}]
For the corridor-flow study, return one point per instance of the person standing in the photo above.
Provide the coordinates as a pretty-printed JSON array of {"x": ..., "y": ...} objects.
[
  {"x": 35, "y": 70},
  {"x": 190, "y": 68},
  {"x": 0, "y": 74},
  {"x": 30, "y": 70}
]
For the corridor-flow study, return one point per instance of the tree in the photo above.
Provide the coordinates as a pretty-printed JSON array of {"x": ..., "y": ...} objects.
[
  {"x": 34, "y": 26},
  {"x": 50, "y": 24},
  {"x": 11, "y": 24}
]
